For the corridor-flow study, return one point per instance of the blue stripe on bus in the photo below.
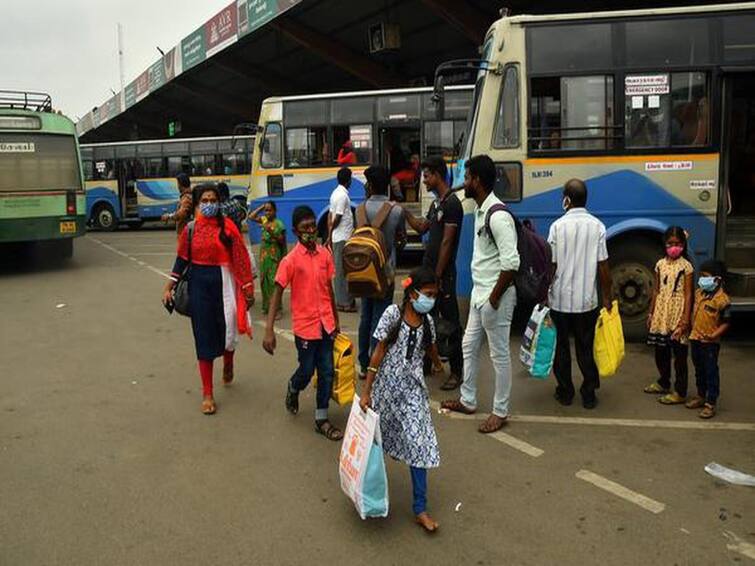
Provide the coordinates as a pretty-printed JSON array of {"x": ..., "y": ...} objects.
[{"x": 98, "y": 195}]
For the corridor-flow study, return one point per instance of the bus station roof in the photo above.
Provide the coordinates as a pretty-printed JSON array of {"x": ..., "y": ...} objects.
[{"x": 219, "y": 74}]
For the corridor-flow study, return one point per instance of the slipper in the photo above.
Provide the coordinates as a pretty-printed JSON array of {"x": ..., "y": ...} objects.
[
  {"x": 487, "y": 427},
  {"x": 456, "y": 406},
  {"x": 330, "y": 432},
  {"x": 708, "y": 412},
  {"x": 656, "y": 389},
  {"x": 695, "y": 402},
  {"x": 672, "y": 399}
]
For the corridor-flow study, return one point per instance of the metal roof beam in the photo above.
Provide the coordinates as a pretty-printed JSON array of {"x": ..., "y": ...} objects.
[
  {"x": 466, "y": 18},
  {"x": 219, "y": 100},
  {"x": 268, "y": 80},
  {"x": 338, "y": 53}
]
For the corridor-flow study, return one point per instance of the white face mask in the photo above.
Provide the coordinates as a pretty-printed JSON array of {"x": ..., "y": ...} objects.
[{"x": 566, "y": 203}]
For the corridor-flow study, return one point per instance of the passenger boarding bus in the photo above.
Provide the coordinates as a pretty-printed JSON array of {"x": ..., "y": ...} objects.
[
  {"x": 304, "y": 140},
  {"x": 655, "y": 109},
  {"x": 41, "y": 185},
  {"x": 130, "y": 182}
]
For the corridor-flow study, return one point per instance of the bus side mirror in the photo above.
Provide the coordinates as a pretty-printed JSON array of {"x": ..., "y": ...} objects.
[{"x": 439, "y": 98}]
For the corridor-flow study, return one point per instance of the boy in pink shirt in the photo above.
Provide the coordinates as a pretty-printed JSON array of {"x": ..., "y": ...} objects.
[{"x": 309, "y": 270}]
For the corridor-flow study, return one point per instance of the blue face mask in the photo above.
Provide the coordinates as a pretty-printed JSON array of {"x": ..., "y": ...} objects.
[
  {"x": 707, "y": 283},
  {"x": 209, "y": 209},
  {"x": 423, "y": 304}
]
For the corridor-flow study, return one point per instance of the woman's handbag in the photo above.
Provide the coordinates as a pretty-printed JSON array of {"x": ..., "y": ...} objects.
[{"x": 181, "y": 291}]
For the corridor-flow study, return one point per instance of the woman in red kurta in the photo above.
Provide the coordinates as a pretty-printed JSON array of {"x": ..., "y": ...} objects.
[{"x": 220, "y": 286}]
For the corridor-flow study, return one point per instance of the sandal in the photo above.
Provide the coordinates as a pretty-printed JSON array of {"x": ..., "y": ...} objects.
[
  {"x": 453, "y": 382},
  {"x": 671, "y": 399},
  {"x": 328, "y": 430},
  {"x": 656, "y": 389},
  {"x": 708, "y": 412},
  {"x": 292, "y": 400},
  {"x": 426, "y": 522},
  {"x": 209, "y": 407},
  {"x": 227, "y": 375},
  {"x": 456, "y": 406},
  {"x": 695, "y": 403},
  {"x": 493, "y": 423}
]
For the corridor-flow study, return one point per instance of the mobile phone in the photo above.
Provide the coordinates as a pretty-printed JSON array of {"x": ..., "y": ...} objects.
[{"x": 169, "y": 307}]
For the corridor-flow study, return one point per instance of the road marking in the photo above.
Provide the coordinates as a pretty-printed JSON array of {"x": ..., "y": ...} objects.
[
  {"x": 738, "y": 545},
  {"x": 520, "y": 445},
  {"x": 154, "y": 253},
  {"x": 132, "y": 258},
  {"x": 620, "y": 491},
  {"x": 596, "y": 421}
]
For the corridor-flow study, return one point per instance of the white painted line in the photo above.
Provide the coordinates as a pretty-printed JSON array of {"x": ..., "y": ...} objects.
[
  {"x": 638, "y": 423},
  {"x": 620, "y": 491},
  {"x": 154, "y": 253},
  {"x": 736, "y": 544},
  {"x": 520, "y": 445},
  {"x": 122, "y": 254}
]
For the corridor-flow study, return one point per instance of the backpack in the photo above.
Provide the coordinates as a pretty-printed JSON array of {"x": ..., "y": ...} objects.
[
  {"x": 365, "y": 256},
  {"x": 533, "y": 278}
]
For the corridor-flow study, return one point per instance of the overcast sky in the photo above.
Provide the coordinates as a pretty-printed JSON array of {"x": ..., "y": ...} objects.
[{"x": 68, "y": 47}]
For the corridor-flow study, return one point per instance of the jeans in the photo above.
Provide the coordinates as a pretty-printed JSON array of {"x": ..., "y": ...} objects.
[
  {"x": 496, "y": 324},
  {"x": 315, "y": 354},
  {"x": 582, "y": 325},
  {"x": 372, "y": 310},
  {"x": 447, "y": 308},
  {"x": 663, "y": 363},
  {"x": 340, "y": 287},
  {"x": 419, "y": 489},
  {"x": 705, "y": 359}
]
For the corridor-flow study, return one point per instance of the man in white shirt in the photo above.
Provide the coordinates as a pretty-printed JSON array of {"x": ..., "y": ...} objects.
[
  {"x": 340, "y": 227},
  {"x": 495, "y": 261},
  {"x": 578, "y": 241}
]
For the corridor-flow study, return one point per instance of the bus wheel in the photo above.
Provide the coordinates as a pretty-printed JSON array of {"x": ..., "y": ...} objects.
[
  {"x": 632, "y": 267},
  {"x": 104, "y": 218}
]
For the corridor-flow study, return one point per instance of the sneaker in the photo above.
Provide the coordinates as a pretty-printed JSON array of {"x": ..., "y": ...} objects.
[
  {"x": 695, "y": 402},
  {"x": 292, "y": 400}
]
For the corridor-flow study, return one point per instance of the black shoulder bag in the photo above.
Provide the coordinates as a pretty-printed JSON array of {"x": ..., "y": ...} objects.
[{"x": 181, "y": 292}]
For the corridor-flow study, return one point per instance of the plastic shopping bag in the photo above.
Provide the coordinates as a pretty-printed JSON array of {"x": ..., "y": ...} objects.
[
  {"x": 608, "y": 347},
  {"x": 539, "y": 343},
  {"x": 361, "y": 465}
]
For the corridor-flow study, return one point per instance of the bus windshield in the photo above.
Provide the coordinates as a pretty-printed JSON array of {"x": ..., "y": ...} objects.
[
  {"x": 474, "y": 110},
  {"x": 38, "y": 162}
]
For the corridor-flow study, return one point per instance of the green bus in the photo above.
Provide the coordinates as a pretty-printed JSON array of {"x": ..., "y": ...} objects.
[{"x": 42, "y": 196}]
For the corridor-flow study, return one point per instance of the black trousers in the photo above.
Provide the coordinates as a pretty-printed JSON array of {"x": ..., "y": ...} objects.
[
  {"x": 663, "y": 363},
  {"x": 447, "y": 307},
  {"x": 582, "y": 325}
]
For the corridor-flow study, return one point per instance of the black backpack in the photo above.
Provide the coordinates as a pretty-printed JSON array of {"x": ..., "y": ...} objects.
[{"x": 533, "y": 278}]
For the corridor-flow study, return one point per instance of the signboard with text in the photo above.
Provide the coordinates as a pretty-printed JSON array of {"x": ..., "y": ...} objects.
[
  {"x": 221, "y": 31},
  {"x": 193, "y": 49}
]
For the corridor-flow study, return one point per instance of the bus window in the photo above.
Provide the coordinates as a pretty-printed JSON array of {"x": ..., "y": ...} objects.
[
  {"x": 306, "y": 112},
  {"x": 271, "y": 147},
  {"x": 178, "y": 165},
  {"x": 361, "y": 144},
  {"x": 590, "y": 47},
  {"x": 678, "y": 41},
  {"x": 353, "y": 110},
  {"x": 88, "y": 166},
  {"x": 506, "y": 132},
  {"x": 155, "y": 167},
  {"x": 440, "y": 140},
  {"x": 307, "y": 147},
  {"x": 235, "y": 164},
  {"x": 398, "y": 107},
  {"x": 508, "y": 181},
  {"x": 677, "y": 115},
  {"x": 571, "y": 113}
]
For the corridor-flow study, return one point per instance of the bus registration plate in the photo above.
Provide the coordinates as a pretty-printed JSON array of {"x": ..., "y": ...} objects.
[{"x": 68, "y": 227}]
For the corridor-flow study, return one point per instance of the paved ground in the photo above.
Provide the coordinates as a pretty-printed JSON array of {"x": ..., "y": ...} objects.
[{"x": 105, "y": 458}]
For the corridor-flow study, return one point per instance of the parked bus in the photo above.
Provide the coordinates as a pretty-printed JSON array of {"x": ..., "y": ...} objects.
[
  {"x": 130, "y": 182},
  {"x": 302, "y": 143},
  {"x": 655, "y": 109},
  {"x": 41, "y": 185}
]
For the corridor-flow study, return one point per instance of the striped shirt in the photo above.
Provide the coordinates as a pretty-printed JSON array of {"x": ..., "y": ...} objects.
[{"x": 578, "y": 241}]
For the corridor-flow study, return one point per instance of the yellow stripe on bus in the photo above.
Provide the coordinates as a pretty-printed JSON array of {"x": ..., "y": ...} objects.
[
  {"x": 620, "y": 159},
  {"x": 308, "y": 171}
]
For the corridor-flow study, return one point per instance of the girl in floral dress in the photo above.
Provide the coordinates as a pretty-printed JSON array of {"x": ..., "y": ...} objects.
[
  {"x": 396, "y": 389},
  {"x": 272, "y": 248},
  {"x": 669, "y": 318}
]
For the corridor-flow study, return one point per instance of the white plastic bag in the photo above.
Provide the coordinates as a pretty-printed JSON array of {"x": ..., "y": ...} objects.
[
  {"x": 361, "y": 465},
  {"x": 539, "y": 343}
]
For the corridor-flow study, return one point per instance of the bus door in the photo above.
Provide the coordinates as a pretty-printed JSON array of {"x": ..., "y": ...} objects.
[
  {"x": 736, "y": 225},
  {"x": 127, "y": 188},
  {"x": 399, "y": 153}
]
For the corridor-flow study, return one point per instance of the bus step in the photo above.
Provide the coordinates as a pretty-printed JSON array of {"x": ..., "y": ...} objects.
[{"x": 740, "y": 281}]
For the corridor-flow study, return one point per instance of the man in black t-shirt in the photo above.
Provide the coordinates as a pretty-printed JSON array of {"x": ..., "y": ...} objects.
[{"x": 443, "y": 225}]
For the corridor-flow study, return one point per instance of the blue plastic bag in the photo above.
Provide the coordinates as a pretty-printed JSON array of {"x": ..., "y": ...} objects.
[
  {"x": 375, "y": 484},
  {"x": 539, "y": 343}
]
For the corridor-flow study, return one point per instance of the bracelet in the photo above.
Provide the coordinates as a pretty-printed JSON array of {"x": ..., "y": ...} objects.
[{"x": 372, "y": 369}]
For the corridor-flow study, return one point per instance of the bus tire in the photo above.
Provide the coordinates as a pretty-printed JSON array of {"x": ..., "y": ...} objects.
[
  {"x": 104, "y": 218},
  {"x": 632, "y": 273}
]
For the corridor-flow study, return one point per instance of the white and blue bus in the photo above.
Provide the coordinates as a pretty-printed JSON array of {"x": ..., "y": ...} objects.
[
  {"x": 654, "y": 109},
  {"x": 302, "y": 138},
  {"x": 130, "y": 182}
]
